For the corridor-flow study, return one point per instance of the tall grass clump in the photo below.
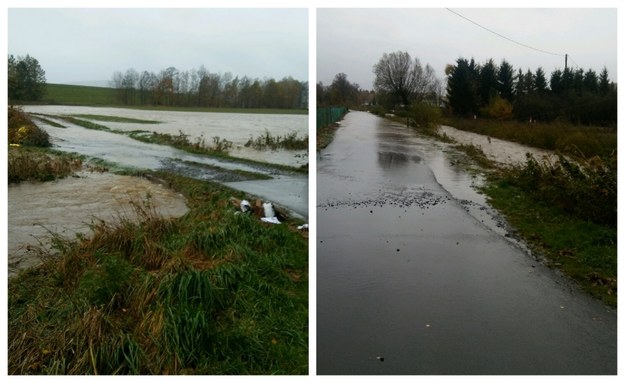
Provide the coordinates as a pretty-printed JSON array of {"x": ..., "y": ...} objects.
[
  {"x": 424, "y": 115},
  {"x": 220, "y": 146},
  {"x": 566, "y": 211},
  {"x": 267, "y": 141},
  {"x": 31, "y": 164},
  {"x": 212, "y": 292},
  {"x": 23, "y": 131},
  {"x": 586, "y": 188}
]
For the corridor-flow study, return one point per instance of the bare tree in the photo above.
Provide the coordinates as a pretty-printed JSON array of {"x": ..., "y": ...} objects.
[{"x": 405, "y": 79}]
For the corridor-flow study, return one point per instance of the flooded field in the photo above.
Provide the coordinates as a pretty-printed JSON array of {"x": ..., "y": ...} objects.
[
  {"x": 67, "y": 207},
  {"x": 234, "y": 127},
  {"x": 285, "y": 188},
  {"x": 504, "y": 152}
]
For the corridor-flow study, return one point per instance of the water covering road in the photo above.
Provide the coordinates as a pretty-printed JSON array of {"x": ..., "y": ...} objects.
[{"x": 410, "y": 280}]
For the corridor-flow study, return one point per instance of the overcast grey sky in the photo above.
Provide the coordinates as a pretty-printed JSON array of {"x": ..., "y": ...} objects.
[
  {"x": 351, "y": 41},
  {"x": 85, "y": 45}
]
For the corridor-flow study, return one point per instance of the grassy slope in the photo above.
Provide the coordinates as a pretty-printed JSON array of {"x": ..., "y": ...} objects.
[
  {"x": 212, "y": 292},
  {"x": 79, "y": 95},
  {"x": 584, "y": 251}
]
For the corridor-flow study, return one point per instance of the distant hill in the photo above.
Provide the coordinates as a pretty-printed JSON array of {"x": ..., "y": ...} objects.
[
  {"x": 96, "y": 83},
  {"x": 63, "y": 94},
  {"x": 79, "y": 95}
]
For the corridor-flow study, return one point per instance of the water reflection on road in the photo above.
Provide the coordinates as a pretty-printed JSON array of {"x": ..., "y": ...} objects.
[{"x": 412, "y": 278}]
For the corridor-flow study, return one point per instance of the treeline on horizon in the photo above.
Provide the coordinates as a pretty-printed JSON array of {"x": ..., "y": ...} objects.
[
  {"x": 497, "y": 91},
  {"x": 201, "y": 88}
]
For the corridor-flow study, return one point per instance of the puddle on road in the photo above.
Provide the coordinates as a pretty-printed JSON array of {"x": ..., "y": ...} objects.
[{"x": 67, "y": 207}]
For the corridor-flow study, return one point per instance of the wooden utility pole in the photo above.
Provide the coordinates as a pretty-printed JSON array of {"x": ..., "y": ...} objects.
[{"x": 566, "y": 60}]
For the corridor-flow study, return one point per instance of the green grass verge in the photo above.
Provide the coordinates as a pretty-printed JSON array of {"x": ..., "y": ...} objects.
[
  {"x": 48, "y": 121},
  {"x": 582, "y": 250},
  {"x": 567, "y": 239},
  {"x": 267, "y": 141},
  {"x": 100, "y": 117},
  {"x": 212, "y": 292},
  {"x": 325, "y": 135},
  {"x": 219, "y": 149},
  {"x": 221, "y": 110},
  {"x": 84, "y": 123}
]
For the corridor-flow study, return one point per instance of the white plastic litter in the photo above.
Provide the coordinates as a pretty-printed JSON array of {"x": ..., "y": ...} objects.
[
  {"x": 245, "y": 206},
  {"x": 269, "y": 212},
  {"x": 304, "y": 226},
  {"x": 270, "y": 220}
]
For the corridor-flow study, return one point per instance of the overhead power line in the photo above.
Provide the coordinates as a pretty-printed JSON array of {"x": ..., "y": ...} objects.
[
  {"x": 571, "y": 58},
  {"x": 504, "y": 37}
]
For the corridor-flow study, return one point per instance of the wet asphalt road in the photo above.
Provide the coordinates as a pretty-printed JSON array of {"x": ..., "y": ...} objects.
[{"x": 408, "y": 282}]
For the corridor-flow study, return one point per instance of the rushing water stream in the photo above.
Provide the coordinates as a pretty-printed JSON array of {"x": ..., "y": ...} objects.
[{"x": 66, "y": 207}]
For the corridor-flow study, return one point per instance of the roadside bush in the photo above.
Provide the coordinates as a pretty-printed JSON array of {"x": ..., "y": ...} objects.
[
  {"x": 425, "y": 115},
  {"x": 498, "y": 108},
  {"x": 22, "y": 130},
  {"x": 378, "y": 110},
  {"x": 584, "y": 188}
]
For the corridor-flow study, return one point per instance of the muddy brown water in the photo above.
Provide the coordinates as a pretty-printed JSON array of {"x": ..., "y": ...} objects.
[
  {"x": 67, "y": 207},
  {"x": 412, "y": 281}
]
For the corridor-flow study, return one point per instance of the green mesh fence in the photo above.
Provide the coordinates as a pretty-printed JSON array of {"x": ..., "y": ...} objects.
[{"x": 327, "y": 116}]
